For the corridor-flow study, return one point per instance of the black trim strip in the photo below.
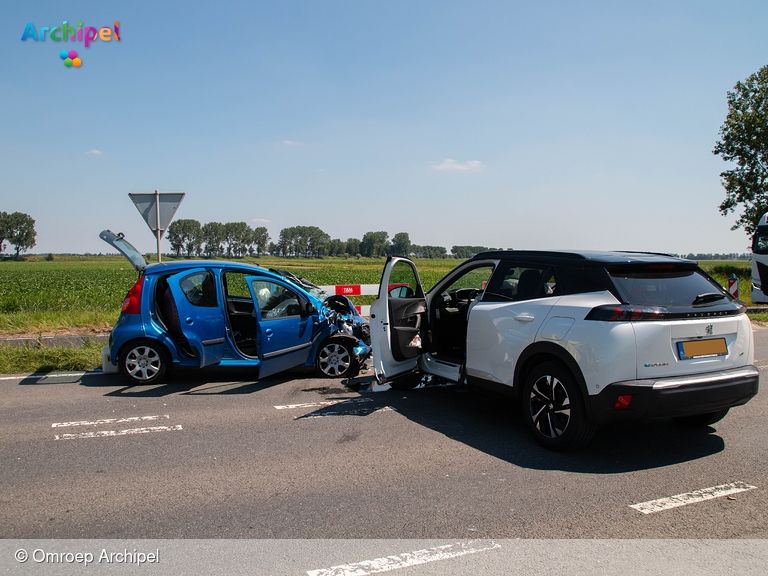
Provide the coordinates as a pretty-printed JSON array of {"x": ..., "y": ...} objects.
[
  {"x": 213, "y": 342},
  {"x": 286, "y": 350}
]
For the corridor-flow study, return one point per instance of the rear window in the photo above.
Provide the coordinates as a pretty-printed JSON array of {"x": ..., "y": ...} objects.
[{"x": 678, "y": 287}]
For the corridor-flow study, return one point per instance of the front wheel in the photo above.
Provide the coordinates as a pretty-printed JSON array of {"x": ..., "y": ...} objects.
[
  {"x": 335, "y": 359},
  {"x": 701, "y": 420},
  {"x": 553, "y": 408},
  {"x": 144, "y": 362}
]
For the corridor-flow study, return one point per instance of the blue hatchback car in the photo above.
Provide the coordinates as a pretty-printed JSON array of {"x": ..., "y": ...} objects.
[{"x": 201, "y": 313}]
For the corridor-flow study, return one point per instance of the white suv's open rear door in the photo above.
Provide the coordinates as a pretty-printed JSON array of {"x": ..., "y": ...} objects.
[{"x": 398, "y": 319}]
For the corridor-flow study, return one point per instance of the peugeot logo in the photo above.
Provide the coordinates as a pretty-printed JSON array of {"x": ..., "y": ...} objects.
[{"x": 709, "y": 329}]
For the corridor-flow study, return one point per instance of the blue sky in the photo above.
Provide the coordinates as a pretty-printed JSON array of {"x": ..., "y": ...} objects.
[{"x": 533, "y": 125}]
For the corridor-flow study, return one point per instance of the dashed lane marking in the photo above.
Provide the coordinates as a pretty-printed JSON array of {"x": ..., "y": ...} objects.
[
  {"x": 653, "y": 506},
  {"x": 110, "y": 433},
  {"x": 388, "y": 563},
  {"x": 108, "y": 421},
  {"x": 324, "y": 403}
]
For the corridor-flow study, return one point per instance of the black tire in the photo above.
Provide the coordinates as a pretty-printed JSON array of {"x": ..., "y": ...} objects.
[
  {"x": 407, "y": 382},
  {"x": 144, "y": 362},
  {"x": 553, "y": 408},
  {"x": 701, "y": 420},
  {"x": 336, "y": 359}
]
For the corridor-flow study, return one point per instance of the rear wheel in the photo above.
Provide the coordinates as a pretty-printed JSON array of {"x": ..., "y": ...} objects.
[
  {"x": 701, "y": 420},
  {"x": 144, "y": 362},
  {"x": 553, "y": 408},
  {"x": 336, "y": 359}
]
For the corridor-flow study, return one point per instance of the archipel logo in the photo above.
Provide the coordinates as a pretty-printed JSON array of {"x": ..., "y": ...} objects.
[{"x": 66, "y": 33}]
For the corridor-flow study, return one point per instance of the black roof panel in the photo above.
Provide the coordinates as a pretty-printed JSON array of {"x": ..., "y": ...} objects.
[{"x": 585, "y": 256}]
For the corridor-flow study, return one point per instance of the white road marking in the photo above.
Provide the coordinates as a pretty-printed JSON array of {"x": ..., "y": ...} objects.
[
  {"x": 324, "y": 403},
  {"x": 415, "y": 558},
  {"x": 52, "y": 375},
  {"x": 108, "y": 421},
  {"x": 109, "y": 433},
  {"x": 352, "y": 412},
  {"x": 653, "y": 506}
]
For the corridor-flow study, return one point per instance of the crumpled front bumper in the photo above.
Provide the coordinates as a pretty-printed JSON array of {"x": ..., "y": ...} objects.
[{"x": 675, "y": 396}]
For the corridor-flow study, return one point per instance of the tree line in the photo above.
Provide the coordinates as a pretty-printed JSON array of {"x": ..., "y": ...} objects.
[
  {"x": 19, "y": 230},
  {"x": 189, "y": 237}
]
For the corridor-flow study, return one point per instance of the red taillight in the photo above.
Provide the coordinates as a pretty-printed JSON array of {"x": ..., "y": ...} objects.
[
  {"x": 626, "y": 312},
  {"x": 132, "y": 302},
  {"x": 622, "y": 402}
]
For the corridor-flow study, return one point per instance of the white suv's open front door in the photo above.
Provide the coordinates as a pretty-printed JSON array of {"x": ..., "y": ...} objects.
[{"x": 398, "y": 321}]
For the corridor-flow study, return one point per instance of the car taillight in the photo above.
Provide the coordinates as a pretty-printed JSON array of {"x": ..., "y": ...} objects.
[
  {"x": 625, "y": 313},
  {"x": 132, "y": 302}
]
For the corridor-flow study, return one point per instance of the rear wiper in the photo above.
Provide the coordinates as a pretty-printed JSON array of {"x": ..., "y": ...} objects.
[{"x": 707, "y": 297}]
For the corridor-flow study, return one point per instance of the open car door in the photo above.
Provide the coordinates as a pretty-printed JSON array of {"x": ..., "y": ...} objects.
[
  {"x": 398, "y": 321},
  {"x": 200, "y": 315},
  {"x": 284, "y": 325},
  {"x": 119, "y": 243}
]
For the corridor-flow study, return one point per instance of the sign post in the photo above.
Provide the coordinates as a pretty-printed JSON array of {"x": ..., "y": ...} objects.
[{"x": 158, "y": 210}]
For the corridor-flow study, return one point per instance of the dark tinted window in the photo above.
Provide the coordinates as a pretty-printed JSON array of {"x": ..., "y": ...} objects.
[
  {"x": 516, "y": 282},
  {"x": 200, "y": 289},
  {"x": 575, "y": 280},
  {"x": 648, "y": 287},
  {"x": 760, "y": 243}
]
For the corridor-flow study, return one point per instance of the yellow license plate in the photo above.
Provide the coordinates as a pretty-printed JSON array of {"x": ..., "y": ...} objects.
[{"x": 702, "y": 348}]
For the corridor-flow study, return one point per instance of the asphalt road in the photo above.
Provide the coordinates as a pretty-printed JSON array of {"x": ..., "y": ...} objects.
[{"x": 221, "y": 456}]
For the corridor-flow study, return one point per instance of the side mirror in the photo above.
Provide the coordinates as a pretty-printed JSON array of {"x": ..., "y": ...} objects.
[{"x": 309, "y": 309}]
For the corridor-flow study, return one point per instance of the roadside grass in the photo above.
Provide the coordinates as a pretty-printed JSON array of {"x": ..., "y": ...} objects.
[{"x": 31, "y": 358}]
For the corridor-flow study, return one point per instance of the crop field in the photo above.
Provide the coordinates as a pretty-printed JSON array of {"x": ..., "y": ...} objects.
[{"x": 84, "y": 294}]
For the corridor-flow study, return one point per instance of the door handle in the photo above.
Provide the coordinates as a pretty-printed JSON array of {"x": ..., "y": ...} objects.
[
  {"x": 524, "y": 318},
  {"x": 268, "y": 332}
]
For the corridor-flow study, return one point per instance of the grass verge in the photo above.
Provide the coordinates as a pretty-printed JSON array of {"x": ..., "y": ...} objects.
[{"x": 31, "y": 358}]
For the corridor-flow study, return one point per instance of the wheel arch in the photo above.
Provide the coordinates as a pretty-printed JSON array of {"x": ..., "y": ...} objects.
[
  {"x": 540, "y": 352},
  {"x": 160, "y": 343}
]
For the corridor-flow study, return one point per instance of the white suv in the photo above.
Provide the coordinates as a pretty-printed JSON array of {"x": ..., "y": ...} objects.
[{"x": 577, "y": 338}]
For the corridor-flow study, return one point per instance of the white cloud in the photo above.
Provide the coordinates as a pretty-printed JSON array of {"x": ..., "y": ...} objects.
[
  {"x": 261, "y": 221},
  {"x": 292, "y": 143},
  {"x": 450, "y": 164},
  {"x": 94, "y": 151}
]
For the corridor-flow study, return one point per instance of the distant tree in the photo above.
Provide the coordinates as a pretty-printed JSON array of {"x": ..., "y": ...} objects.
[
  {"x": 260, "y": 240},
  {"x": 353, "y": 246},
  {"x": 19, "y": 230},
  {"x": 185, "y": 234},
  {"x": 744, "y": 141},
  {"x": 239, "y": 237},
  {"x": 307, "y": 241},
  {"x": 429, "y": 251},
  {"x": 336, "y": 247},
  {"x": 401, "y": 244},
  {"x": 467, "y": 251},
  {"x": 213, "y": 235},
  {"x": 3, "y": 230},
  {"x": 374, "y": 244}
]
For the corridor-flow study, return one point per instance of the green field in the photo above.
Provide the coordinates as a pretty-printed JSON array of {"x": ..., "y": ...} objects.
[{"x": 84, "y": 294}]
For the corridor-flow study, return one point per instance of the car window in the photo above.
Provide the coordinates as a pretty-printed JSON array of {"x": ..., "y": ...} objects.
[
  {"x": 275, "y": 301},
  {"x": 659, "y": 287},
  {"x": 760, "y": 243},
  {"x": 575, "y": 280},
  {"x": 516, "y": 282},
  {"x": 200, "y": 289},
  {"x": 473, "y": 279},
  {"x": 402, "y": 281}
]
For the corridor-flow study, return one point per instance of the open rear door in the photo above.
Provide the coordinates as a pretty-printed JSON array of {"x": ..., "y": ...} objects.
[
  {"x": 200, "y": 313},
  {"x": 398, "y": 320}
]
